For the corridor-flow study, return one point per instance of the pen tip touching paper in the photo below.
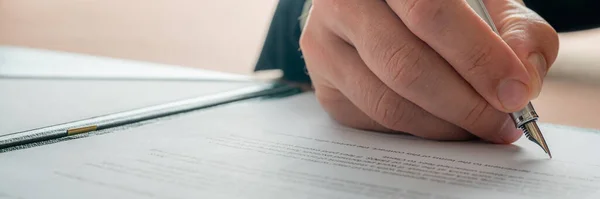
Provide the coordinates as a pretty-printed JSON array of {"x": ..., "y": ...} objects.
[{"x": 534, "y": 134}]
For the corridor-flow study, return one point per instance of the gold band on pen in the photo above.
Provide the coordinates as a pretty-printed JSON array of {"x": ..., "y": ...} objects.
[{"x": 86, "y": 129}]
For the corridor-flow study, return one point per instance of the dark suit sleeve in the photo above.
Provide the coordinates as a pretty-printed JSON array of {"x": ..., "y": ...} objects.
[
  {"x": 281, "y": 49},
  {"x": 568, "y": 15}
]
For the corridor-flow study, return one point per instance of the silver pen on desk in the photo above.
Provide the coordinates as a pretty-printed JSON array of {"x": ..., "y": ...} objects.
[
  {"x": 142, "y": 114},
  {"x": 525, "y": 119}
]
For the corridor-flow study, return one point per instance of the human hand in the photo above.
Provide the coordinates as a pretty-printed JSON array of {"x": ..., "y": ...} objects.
[{"x": 431, "y": 68}]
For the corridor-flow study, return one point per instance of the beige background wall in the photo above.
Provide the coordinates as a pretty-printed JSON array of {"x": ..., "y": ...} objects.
[
  {"x": 223, "y": 35},
  {"x": 218, "y": 34}
]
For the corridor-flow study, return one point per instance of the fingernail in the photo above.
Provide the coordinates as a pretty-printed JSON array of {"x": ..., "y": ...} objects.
[
  {"x": 539, "y": 62},
  {"x": 512, "y": 94}
]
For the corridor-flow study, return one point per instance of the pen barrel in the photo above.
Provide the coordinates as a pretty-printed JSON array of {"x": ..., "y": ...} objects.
[
  {"x": 524, "y": 116},
  {"x": 479, "y": 7}
]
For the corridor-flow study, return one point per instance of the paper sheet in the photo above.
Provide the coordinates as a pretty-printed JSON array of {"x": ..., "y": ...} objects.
[{"x": 289, "y": 148}]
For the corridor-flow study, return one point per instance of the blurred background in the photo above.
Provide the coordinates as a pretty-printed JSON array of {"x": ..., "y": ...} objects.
[{"x": 222, "y": 35}]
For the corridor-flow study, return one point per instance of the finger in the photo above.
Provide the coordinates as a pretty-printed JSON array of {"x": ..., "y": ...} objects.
[
  {"x": 413, "y": 70},
  {"x": 469, "y": 44},
  {"x": 344, "y": 111},
  {"x": 339, "y": 107},
  {"x": 326, "y": 55},
  {"x": 533, "y": 40}
]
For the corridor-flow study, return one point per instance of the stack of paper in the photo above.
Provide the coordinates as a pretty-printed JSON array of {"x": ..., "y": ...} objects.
[{"x": 290, "y": 148}]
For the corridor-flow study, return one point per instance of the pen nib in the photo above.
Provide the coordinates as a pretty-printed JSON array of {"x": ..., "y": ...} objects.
[{"x": 532, "y": 131}]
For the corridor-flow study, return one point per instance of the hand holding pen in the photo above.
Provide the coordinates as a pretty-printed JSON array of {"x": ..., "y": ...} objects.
[
  {"x": 433, "y": 69},
  {"x": 526, "y": 118}
]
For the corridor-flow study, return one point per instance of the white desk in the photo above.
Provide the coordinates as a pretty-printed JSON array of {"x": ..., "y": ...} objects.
[
  {"x": 37, "y": 63},
  {"x": 41, "y": 88}
]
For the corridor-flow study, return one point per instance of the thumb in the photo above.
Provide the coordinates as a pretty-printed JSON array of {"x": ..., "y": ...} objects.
[{"x": 532, "y": 39}]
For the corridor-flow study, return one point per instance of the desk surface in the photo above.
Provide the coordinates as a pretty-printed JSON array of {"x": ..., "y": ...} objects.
[
  {"x": 42, "y": 88},
  {"x": 24, "y": 62}
]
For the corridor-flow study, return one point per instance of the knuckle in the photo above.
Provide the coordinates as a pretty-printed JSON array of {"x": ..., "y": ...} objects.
[
  {"x": 311, "y": 36},
  {"x": 520, "y": 31},
  {"x": 307, "y": 41},
  {"x": 514, "y": 29},
  {"x": 402, "y": 63},
  {"x": 312, "y": 47},
  {"x": 311, "y": 51},
  {"x": 515, "y": 25},
  {"x": 512, "y": 22}
]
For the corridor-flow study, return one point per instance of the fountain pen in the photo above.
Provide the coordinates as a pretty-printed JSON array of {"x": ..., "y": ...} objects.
[{"x": 525, "y": 119}]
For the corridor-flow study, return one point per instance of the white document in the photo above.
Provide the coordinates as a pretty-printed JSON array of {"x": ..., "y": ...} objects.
[{"x": 290, "y": 148}]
